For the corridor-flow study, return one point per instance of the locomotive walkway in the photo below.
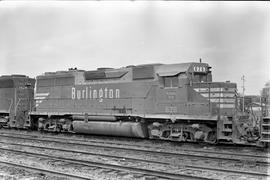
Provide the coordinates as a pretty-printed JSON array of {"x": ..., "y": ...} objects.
[{"x": 67, "y": 141}]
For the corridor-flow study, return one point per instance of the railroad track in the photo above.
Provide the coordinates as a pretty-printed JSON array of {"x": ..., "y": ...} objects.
[
  {"x": 259, "y": 174},
  {"x": 89, "y": 163},
  {"x": 109, "y": 141},
  {"x": 262, "y": 160},
  {"x": 44, "y": 171}
]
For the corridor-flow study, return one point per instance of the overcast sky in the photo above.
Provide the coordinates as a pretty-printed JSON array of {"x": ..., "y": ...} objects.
[{"x": 233, "y": 37}]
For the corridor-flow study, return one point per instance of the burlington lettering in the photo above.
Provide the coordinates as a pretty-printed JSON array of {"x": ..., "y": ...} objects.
[{"x": 89, "y": 93}]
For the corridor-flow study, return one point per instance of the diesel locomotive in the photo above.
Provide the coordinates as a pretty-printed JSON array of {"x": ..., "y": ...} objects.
[{"x": 177, "y": 102}]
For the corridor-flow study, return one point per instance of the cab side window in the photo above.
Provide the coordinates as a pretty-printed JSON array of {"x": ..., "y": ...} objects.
[
  {"x": 171, "y": 81},
  {"x": 199, "y": 78}
]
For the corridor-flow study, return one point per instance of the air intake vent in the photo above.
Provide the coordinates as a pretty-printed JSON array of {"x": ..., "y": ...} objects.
[{"x": 143, "y": 72}]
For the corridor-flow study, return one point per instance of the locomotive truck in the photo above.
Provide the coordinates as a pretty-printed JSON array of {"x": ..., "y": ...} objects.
[{"x": 177, "y": 102}]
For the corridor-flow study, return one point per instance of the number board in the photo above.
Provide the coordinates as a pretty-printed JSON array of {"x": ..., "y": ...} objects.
[{"x": 200, "y": 69}]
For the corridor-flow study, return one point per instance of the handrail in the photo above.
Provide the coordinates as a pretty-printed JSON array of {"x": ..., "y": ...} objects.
[
  {"x": 10, "y": 106},
  {"x": 17, "y": 107}
]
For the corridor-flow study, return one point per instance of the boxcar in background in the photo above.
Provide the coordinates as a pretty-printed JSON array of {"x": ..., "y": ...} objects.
[{"x": 16, "y": 100}]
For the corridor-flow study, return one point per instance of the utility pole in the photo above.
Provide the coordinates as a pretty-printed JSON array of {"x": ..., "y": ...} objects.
[{"x": 243, "y": 79}]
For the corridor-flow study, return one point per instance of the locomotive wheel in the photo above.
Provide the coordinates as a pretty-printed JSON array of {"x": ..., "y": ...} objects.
[
  {"x": 70, "y": 129},
  {"x": 166, "y": 134},
  {"x": 46, "y": 128},
  {"x": 211, "y": 137},
  {"x": 191, "y": 137},
  {"x": 57, "y": 129},
  {"x": 184, "y": 137}
]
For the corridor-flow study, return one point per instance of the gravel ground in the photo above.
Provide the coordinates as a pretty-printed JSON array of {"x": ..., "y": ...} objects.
[
  {"x": 176, "y": 164},
  {"x": 13, "y": 173},
  {"x": 92, "y": 173},
  {"x": 247, "y": 165},
  {"x": 61, "y": 166}
]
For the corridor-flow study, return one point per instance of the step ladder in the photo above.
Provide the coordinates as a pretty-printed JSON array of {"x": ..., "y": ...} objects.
[
  {"x": 225, "y": 129},
  {"x": 265, "y": 129}
]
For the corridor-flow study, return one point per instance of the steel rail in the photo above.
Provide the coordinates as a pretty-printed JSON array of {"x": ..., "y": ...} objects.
[
  {"x": 40, "y": 170},
  {"x": 126, "y": 144},
  {"x": 144, "y": 160},
  {"x": 182, "y": 149},
  {"x": 86, "y": 152},
  {"x": 47, "y": 139},
  {"x": 88, "y": 163}
]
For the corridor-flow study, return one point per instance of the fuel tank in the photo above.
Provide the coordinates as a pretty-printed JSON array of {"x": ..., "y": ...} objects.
[{"x": 127, "y": 129}]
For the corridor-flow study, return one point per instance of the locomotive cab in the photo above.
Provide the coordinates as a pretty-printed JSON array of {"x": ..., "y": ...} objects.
[
  {"x": 174, "y": 76},
  {"x": 190, "y": 116},
  {"x": 197, "y": 108}
]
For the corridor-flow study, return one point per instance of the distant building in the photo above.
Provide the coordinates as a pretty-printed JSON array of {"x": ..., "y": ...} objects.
[
  {"x": 265, "y": 94},
  {"x": 251, "y": 103},
  {"x": 258, "y": 104}
]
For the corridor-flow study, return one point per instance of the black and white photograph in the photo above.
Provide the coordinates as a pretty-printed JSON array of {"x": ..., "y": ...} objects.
[{"x": 134, "y": 90}]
